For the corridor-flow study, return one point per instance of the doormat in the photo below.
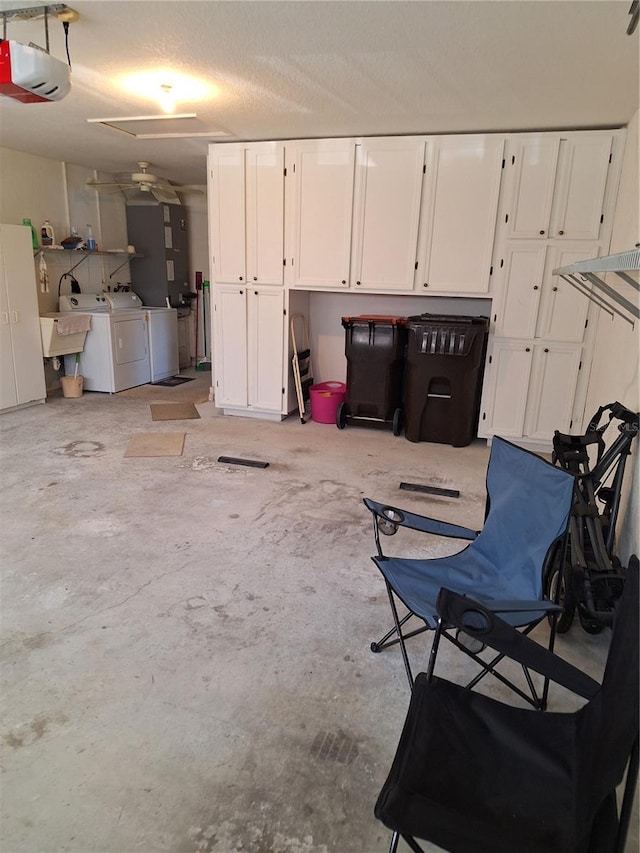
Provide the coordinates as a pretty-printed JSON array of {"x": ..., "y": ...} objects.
[
  {"x": 173, "y": 411},
  {"x": 156, "y": 444},
  {"x": 172, "y": 381}
]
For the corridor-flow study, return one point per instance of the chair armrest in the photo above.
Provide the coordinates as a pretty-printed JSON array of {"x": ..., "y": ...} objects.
[
  {"x": 419, "y": 522},
  {"x": 477, "y": 620}
]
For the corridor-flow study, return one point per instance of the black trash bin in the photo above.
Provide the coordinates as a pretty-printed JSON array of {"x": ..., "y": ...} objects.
[
  {"x": 445, "y": 365},
  {"x": 374, "y": 347}
]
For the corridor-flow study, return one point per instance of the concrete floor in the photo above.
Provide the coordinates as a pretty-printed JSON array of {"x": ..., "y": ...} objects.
[{"x": 186, "y": 661}]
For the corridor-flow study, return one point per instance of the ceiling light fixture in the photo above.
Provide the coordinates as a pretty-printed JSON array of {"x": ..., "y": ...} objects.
[{"x": 166, "y": 98}]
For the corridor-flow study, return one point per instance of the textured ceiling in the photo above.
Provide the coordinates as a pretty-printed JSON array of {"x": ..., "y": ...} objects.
[{"x": 312, "y": 69}]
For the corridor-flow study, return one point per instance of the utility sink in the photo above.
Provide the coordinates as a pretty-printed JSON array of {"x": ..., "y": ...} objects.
[{"x": 53, "y": 343}]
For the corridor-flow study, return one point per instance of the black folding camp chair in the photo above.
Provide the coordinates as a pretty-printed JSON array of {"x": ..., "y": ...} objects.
[
  {"x": 528, "y": 506},
  {"x": 473, "y": 775}
]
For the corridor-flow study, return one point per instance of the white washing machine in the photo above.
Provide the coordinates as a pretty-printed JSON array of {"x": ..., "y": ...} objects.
[{"x": 116, "y": 350}]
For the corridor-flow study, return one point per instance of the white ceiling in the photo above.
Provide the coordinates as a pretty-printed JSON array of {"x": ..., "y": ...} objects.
[{"x": 313, "y": 69}]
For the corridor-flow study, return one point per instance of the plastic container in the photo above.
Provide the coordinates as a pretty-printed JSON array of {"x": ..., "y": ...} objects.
[
  {"x": 90, "y": 240},
  {"x": 72, "y": 386},
  {"x": 34, "y": 233},
  {"x": 445, "y": 365},
  {"x": 47, "y": 237},
  {"x": 374, "y": 348},
  {"x": 325, "y": 399}
]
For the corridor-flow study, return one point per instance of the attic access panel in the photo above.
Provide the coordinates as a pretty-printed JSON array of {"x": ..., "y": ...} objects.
[{"x": 181, "y": 125}]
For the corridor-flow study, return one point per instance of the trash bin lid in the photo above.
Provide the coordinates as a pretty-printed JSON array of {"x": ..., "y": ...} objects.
[{"x": 375, "y": 318}]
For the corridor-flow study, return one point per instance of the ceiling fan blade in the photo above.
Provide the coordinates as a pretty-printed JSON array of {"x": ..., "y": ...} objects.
[
  {"x": 164, "y": 194},
  {"x": 188, "y": 189},
  {"x": 97, "y": 184}
]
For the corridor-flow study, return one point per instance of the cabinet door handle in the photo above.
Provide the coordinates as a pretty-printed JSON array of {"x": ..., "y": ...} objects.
[
  {"x": 527, "y": 349},
  {"x": 554, "y": 288},
  {"x": 542, "y": 233},
  {"x": 546, "y": 350},
  {"x": 239, "y": 278},
  {"x": 241, "y": 292},
  {"x": 560, "y": 232},
  {"x": 255, "y": 278},
  {"x": 535, "y": 286},
  {"x": 255, "y": 292},
  {"x": 344, "y": 281},
  {"x": 357, "y": 282},
  {"x": 426, "y": 284},
  {"x": 14, "y": 317},
  {"x": 5, "y": 318}
]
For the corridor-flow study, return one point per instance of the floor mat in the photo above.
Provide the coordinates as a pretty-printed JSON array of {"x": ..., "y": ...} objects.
[
  {"x": 172, "y": 381},
  {"x": 156, "y": 444},
  {"x": 173, "y": 411}
]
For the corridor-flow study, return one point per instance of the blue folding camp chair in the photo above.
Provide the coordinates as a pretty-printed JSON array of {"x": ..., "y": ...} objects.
[{"x": 527, "y": 512}]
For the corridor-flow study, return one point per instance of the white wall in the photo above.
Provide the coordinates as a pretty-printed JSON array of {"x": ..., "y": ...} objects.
[
  {"x": 614, "y": 372},
  {"x": 39, "y": 188}
]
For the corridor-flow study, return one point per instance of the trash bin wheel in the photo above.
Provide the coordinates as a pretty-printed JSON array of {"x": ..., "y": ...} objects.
[
  {"x": 341, "y": 416},
  {"x": 397, "y": 422}
]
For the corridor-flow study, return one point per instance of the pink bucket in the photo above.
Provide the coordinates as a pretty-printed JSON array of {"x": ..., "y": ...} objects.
[{"x": 325, "y": 400}]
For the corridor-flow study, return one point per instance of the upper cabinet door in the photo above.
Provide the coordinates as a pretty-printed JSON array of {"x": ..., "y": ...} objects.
[
  {"x": 458, "y": 217},
  {"x": 531, "y": 164},
  {"x": 388, "y": 187},
  {"x": 321, "y": 183},
  {"x": 583, "y": 165},
  {"x": 227, "y": 212},
  {"x": 265, "y": 212}
]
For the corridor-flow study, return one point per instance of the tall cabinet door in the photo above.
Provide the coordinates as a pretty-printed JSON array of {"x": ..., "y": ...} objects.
[
  {"x": 522, "y": 272},
  {"x": 531, "y": 163},
  {"x": 554, "y": 375},
  {"x": 227, "y": 212},
  {"x": 321, "y": 183},
  {"x": 459, "y": 213},
  {"x": 388, "y": 187},
  {"x": 22, "y": 371},
  {"x": 582, "y": 178},
  {"x": 265, "y": 342},
  {"x": 230, "y": 345},
  {"x": 563, "y": 311},
  {"x": 265, "y": 212},
  {"x": 504, "y": 400}
]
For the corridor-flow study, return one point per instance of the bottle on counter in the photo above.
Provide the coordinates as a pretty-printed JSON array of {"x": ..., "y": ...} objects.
[
  {"x": 34, "y": 233},
  {"x": 47, "y": 237},
  {"x": 90, "y": 240}
]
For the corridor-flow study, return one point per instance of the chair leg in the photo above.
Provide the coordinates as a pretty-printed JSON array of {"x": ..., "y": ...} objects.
[
  {"x": 394, "y": 842},
  {"x": 413, "y": 844},
  {"x": 401, "y": 638},
  {"x": 627, "y": 799}
]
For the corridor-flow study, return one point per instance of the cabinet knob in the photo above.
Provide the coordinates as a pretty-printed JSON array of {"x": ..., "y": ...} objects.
[
  {"x": 241, "y": 292},
  {"x": 357, "y": 282},
  {"x": 542, "y": 233},
  {"x": 554, "y": 288},
  {"x": 344, "y": 281},
  {"x": 426, "y": 284},
  {"x": 255, "y": 278},
  {"x": 527, "y": 349},
  {"x": 535, "y": 286},
  {"x": 239, "y": 278},
  {"x": 255, "y": 292},
  {"x": 560, "y": 232},
  {"x": 546, "y": 350}
]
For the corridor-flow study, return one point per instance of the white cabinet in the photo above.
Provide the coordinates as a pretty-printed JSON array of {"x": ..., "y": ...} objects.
[
  {"x": 246, "y": 192},
  {"x": 530, "y": 389},
  {"x": 458, "y": 218},
  {"x": 557, "y": 185},
  {"x": 388, "y": 186},
  {"x": 21, "y": 365},
  {"x": 320, "y": 177},
  {"x": 248, "y": 348},
  {"x": 530, "y": 300}
]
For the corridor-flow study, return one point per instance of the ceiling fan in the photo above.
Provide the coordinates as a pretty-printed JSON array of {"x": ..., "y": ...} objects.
[{"x": 160, "y": 188}]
